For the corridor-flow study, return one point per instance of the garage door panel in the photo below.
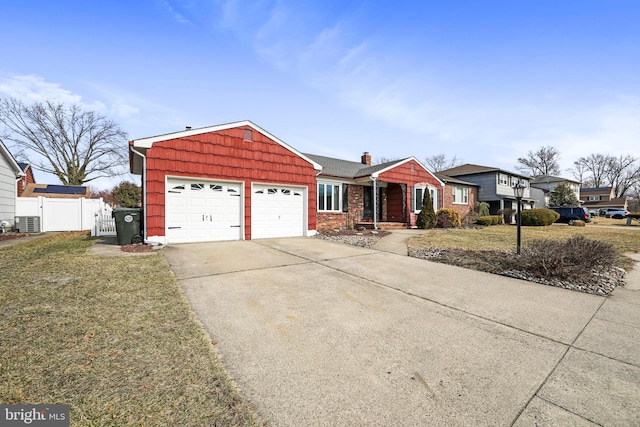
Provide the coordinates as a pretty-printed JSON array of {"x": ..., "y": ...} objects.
[
  {"x": 277, "y": 211},
  {"x": 199, "y": 211}
]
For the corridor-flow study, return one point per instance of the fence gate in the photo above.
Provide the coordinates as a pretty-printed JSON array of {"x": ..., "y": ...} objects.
[{"x": 105, "y": 224}]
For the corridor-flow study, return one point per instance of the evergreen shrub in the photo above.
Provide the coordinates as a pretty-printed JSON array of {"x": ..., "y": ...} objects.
[
  {"x": 539, "y": 217},
  {"x": 448, "y": 218},
  {"x": 489, "y": 220}
]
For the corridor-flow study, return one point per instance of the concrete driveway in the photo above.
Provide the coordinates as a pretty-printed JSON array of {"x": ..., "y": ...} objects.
[{"x": 320, "y": 333}]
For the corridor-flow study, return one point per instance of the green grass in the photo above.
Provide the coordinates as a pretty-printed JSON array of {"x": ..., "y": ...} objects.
[
  {"x": 503, "y": 237},
  {"x": 112, "y": 337}
]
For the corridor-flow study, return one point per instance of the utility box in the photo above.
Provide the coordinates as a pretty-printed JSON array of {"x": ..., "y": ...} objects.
[
  {"x": 27, "y": 224},
  {"x": 128, "y": 229}
]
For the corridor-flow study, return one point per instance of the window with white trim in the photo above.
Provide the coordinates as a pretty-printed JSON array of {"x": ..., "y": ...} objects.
[
  {"x": 329, "y": 197},
  {"x": 503, "y": 179},
  {"x": 461, "y": 195},
  {"x": 594, "y": 198},
  {"x": 418, "y": 195}
]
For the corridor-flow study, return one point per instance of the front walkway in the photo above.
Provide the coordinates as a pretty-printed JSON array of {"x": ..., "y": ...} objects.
[{"x": 397, "y": 242}]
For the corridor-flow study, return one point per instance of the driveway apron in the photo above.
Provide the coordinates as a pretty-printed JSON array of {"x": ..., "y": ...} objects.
[{"x": 321, "y": 333}]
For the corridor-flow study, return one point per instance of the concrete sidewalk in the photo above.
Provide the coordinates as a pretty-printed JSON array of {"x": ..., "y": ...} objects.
[
  {"x": 319, "y": 333},
  {"x": 397, "y": 241}
]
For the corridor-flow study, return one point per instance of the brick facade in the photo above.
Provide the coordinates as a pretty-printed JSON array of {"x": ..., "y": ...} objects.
[{"x": 462, "y": 208}]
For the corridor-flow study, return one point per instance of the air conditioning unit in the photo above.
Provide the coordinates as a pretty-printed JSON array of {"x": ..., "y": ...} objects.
[{"x": 28, "y": 224}]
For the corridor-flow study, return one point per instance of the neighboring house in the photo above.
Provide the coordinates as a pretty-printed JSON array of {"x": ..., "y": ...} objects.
[
  {"x": 57, "y": 191},
  {"x": 27, "y": 179},
  {"x": 10, "y": 173},
  {"x": 237, "y": 181},
  {"x": 458, "y": 194},
  {"x": 388, "y": 195},
  {"x": 548, "y": 183},
  {"x": 495, "y": 186},
  {"x": 601, "y": 198}
]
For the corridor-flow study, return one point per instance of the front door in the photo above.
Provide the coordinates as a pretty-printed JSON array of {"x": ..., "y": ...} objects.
[{"x": 367, "y": 214}]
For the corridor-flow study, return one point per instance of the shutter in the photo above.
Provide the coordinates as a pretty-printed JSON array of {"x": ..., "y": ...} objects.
[
  {"x": 412, "y": 192},
  {"x": 345, "y": 198}
]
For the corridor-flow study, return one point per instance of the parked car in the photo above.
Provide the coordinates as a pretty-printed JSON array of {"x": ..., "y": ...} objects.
[
  {"x": 571, "y": 214},
  {"x": 616, "y": 213}
]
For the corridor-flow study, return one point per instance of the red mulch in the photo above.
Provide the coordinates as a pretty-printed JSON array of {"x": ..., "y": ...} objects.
[
  {"x": 366, "y": 232},
  {"x": 12, "y": 236},
  {"x": 136, "y": 248}
]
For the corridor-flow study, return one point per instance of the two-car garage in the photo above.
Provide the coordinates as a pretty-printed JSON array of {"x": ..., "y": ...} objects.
[{"x": 200, "y": 210}]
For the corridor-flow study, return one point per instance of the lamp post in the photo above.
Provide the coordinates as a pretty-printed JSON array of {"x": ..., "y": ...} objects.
[{"x": 518, "y": 191}]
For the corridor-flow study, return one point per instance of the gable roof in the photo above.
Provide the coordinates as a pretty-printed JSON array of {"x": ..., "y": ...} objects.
[
  {"x": 347, "y": 169},
  {"x": 4, "y": 152},
  {"x": 603, "y": 190},
  {"x": 450, "y": 180},
  {"x": 140, "y": 145},
  {"x": 471, "y": 169},
  {"x": 544, "y": 179}
]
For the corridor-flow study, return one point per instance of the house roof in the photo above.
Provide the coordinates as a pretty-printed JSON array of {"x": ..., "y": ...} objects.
[
  {"x": 450, "y": 180},
  {"x": 140, "y": 145},
  {"x": 348, "y": 169},
  {"x": 471, "y": 169},
  {"x": 605, "y": 190},
  {"x": 613, "y": 203},
  {"x": 53, "y": 190},
  {"x": 11, "y": 161},
  {"x": 543, "y": 179}
]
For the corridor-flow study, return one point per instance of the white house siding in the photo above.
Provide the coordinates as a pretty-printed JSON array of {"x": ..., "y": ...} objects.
[{"x": 7, "y": 191}]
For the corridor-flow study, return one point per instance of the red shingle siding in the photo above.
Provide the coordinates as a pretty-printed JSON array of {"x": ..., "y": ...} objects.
[
  {"x": 410, "y": 173},
  {"x": 224, "y": 155}
]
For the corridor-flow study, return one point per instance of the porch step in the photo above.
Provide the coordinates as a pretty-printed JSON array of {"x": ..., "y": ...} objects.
[{"x": 382, "y": 225}]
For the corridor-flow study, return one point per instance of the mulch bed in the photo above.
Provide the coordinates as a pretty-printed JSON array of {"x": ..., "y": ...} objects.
[
  {"x": 9, "y": 236},
  {"x": 366, "y": 232},
  {"x": 140, "y": 247}
]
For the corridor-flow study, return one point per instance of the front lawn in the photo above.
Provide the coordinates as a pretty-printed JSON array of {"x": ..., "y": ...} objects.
[
  {"x": 482, "y": 248},
  {"x": 112, "y": 337}
]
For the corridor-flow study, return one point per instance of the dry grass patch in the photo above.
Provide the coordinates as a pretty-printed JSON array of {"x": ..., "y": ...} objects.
[{"x": 113, "y": 338}]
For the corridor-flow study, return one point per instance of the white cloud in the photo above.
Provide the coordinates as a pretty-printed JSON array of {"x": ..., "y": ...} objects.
[{"x": 31, "y": 88}]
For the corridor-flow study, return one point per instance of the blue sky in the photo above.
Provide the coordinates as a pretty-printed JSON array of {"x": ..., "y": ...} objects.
[{"x": 485, "y": 81}]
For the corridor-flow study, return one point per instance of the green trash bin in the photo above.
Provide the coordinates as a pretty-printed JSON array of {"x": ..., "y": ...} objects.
[{"x": 128, "y": 222}]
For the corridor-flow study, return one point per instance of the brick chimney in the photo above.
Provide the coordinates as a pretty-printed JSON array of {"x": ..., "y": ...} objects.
[{"x": 366, "y": 158}]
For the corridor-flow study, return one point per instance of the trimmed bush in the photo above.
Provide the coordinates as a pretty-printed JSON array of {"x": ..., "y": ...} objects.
[
  {"x": 448, "y": 218},
  {"x": 539, "y": 217},
  {"x": 489, "y": 220},
  {"x": 573, "y": 258}
]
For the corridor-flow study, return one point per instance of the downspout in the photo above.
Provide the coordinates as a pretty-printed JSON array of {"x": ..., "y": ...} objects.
[
  {"x": 375, "y": 203},
  {"x": 144, "y": 189}
]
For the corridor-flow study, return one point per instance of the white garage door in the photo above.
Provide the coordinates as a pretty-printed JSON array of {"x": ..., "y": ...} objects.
[
  {"x": 203, "y": 211},
  {"x": 277, "y": 211}
]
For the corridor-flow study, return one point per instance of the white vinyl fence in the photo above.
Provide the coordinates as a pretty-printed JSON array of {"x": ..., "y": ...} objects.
[{"x": 57, "y": 214}]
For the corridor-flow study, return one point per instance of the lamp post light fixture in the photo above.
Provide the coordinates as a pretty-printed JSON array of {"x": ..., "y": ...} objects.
[{"x": 518, "y": 191}]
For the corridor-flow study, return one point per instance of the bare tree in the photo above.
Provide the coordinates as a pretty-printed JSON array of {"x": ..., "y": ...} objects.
[
  {"x": 381, "y": 160},
  {"x": 580, "y": 173},
  {"x": 439, "y": 162},
  {"x": 622, "y": 173},
  {"x": 593, "y": 169},
  {"x": 75, "y": 145},
  {"x": 541, "y": 162}
]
